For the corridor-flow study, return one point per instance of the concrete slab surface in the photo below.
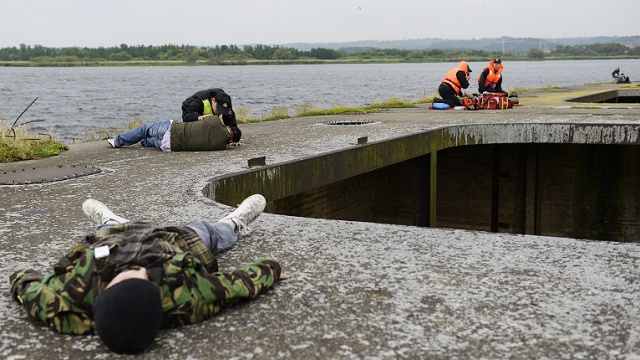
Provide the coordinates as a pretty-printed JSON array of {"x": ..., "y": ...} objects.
[{"x": 357, "y": 290}]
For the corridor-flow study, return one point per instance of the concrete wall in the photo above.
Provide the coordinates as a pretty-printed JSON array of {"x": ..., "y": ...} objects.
[
  {"x": 573, "y": 180},
  {"x": 396, "y": 194},
  {"x": 579, "y": 191}
]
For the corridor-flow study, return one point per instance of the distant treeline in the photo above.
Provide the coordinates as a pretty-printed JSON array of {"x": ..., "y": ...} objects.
[
  {"x": 611, "y": 49},
  {"x": 225, "y": 54}
]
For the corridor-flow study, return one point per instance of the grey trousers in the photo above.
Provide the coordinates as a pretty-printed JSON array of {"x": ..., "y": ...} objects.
[{"x": 217, "y": 236}]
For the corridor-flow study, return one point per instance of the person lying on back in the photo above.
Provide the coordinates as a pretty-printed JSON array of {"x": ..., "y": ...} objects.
[{"x": 128, "y": 279}]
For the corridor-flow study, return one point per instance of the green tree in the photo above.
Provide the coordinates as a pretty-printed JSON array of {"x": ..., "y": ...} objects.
[
  {"x": 192, "y": 56},
  {"x": 285, "y": 54},
  {"x": 417, "y": 54},
  {"x": 634, "y": 51},
  {"x": 324, "y": 54},
  {"x": 534, "y": 53},
  {"x": 120, "y": 56}
]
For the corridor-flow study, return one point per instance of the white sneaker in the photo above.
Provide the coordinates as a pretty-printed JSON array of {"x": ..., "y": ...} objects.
[
  {"x": 112, "y": 142},
  {"x": 100, "y": 213},
  {"x": 246, "y": 212}
]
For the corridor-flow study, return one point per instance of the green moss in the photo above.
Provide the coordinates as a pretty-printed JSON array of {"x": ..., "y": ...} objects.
[
  {"x": 336, "y": 111},
  {"x": 392, "y": 103},
  {"x": 29, "y": 150}
]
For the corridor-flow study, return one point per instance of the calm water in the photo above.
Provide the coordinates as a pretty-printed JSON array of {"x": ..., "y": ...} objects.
[{"x": 72, "y": 101}]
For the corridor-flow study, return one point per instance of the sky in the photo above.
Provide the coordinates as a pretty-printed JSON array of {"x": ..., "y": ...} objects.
[{"x": 95, "y": 23}]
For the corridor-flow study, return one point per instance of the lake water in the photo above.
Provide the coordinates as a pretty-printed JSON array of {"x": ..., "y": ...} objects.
[{"x": 72, "y": 101}]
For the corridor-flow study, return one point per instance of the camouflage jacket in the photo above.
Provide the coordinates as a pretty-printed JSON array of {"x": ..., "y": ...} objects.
[{"x": 174, "y": 258}]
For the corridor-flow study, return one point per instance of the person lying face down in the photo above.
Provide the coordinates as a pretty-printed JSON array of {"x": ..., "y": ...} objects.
[{"x": 168, "y": 135}]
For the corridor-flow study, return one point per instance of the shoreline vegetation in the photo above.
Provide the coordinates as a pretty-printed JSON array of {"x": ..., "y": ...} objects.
[
  {"x": 186, "y": 55},
  {"x": 18, "y": 143}
]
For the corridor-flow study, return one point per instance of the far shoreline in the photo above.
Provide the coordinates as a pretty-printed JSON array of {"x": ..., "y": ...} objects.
[{"x": 144, "y": 63}]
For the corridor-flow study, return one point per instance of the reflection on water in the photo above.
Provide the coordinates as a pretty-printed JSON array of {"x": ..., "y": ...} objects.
[{"x": 73, "y": 101}]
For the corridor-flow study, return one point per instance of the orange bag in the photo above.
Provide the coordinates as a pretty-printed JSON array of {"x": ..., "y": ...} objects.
[
  {"x": 494, "y": 101},
  {"x": 467, "y": 101}
]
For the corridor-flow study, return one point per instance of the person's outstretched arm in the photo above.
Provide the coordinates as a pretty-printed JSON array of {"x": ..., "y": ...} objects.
[
  {"x": 206, "y": 294},
  {"x": 50, "y": 302}
]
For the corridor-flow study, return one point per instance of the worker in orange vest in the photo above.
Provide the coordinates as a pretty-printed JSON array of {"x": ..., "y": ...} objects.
[{"x": 453, "y": 83}]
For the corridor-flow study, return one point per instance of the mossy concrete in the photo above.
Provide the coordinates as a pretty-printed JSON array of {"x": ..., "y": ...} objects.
[{"x": 357, "y": 290}]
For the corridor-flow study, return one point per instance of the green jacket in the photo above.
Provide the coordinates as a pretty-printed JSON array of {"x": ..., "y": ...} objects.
[
  {"x": 190, "y": 293},
  {"x": 202, "y": 135}
]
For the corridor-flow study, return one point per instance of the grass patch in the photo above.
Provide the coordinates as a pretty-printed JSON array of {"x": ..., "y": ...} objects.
[
  {"x": 338, "y": 110},
  {"x": 18, "y": 143},
  {"x": 548, "y": 87},
  {"x": 392, "y": 103},
  {"x": 277, "y": 113},
  {"x": 425, "y": 100},
  {"x": 107, "y": 133},
  {"x": 244, "y": 115}
]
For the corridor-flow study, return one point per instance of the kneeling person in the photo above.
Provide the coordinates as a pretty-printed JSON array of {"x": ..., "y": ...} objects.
[
  {"x": 453, "y": 83},
  {"x": 490, "y": 80}
]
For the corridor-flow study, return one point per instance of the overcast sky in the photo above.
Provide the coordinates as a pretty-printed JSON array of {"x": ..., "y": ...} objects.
[{"x": 94, "y": 23}]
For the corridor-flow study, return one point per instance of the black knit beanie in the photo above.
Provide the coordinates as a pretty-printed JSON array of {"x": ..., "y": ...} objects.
[
  {"x": 128, "y": 315},
  {"x": 237, "y": 134}
]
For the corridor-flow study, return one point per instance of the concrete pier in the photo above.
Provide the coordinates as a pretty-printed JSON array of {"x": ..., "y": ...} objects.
[{"x": 357, "y": 289}]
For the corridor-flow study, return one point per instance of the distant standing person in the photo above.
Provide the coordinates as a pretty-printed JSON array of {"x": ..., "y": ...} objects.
[
  {"x": 490, "y": 79},
  {"x": 206, "y": 103},
  {"x": 453, "y": 83}
]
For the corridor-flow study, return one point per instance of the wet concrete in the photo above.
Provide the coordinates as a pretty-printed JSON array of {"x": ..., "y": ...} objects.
[
  {"x": 38, "y": 174},
  {"x": 357, "y": 290}
]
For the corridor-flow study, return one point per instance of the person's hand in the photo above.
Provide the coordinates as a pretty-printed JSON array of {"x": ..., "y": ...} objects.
[
  {"x": 237, "y": 144},
  {"x": 283, "y": 276},
  {"x": 204, "y": 116}
]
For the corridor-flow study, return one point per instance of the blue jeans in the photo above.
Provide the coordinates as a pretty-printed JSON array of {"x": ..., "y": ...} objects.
[
  {"x": 217, "y": 236},
  {"x": 148, "y": 135}
]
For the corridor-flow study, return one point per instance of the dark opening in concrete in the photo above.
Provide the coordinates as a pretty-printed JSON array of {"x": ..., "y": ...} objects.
[
  {"x": 565, "y": 180},
  {"x": 624, "y": 96}
]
